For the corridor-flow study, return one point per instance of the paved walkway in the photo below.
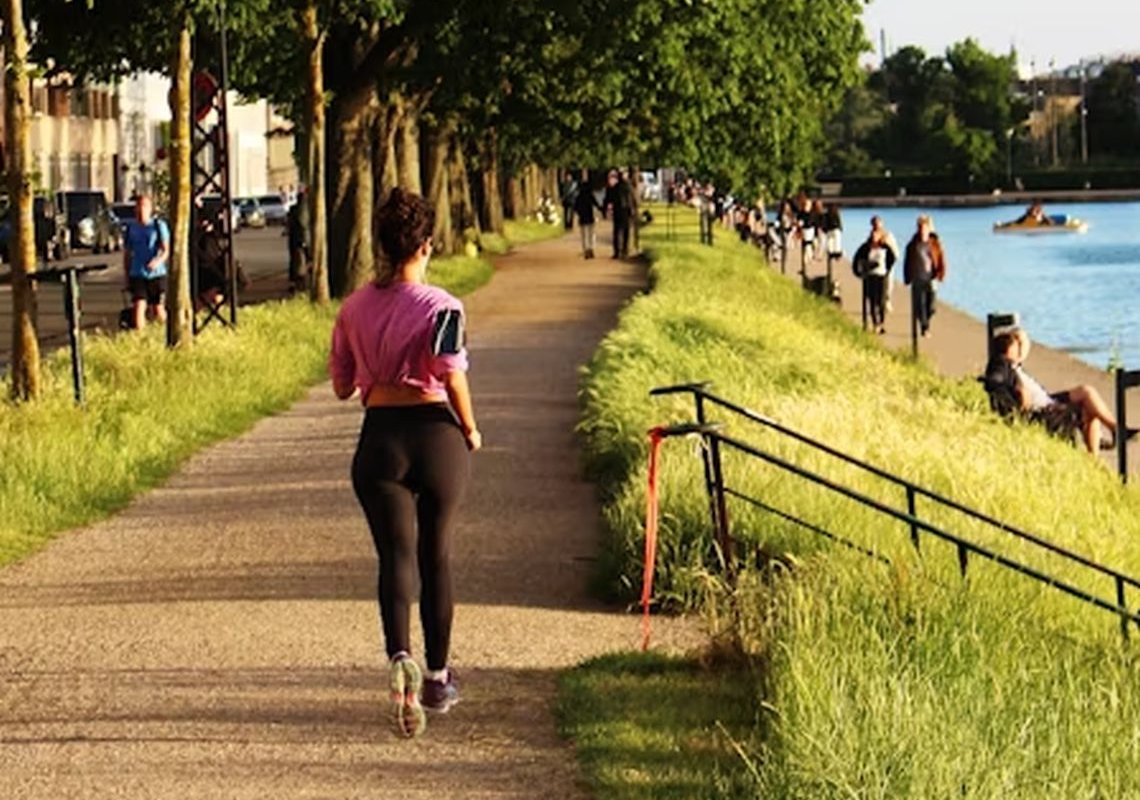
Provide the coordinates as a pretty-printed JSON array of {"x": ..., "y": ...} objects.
[
  {"x": 219, "y": 639},
  {"x": 957, "y": 344}
]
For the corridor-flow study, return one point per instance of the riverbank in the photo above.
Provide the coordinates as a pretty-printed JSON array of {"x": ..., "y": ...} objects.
[
  {"x": 899, "y": 680},
  {"x": 957, "y": 344},
  {"x": 989, "y": 199}
]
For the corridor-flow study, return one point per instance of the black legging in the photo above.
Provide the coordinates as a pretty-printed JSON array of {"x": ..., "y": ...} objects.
[
  {"x": 409, "y": 473},
  {"x": 875, "y": 288}
]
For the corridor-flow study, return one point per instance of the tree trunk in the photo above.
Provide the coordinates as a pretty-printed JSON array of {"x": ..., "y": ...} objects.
[
  {"x": 439, "y": 188},
  {"x": 515, "y": 201},
  {"x": 350, "y": 219},
  {"x": 25, "y": 367},
  {"x": 315, "y": 156},
  {"x": 461, "y": 186},
  {"x": 463, "y": 215},
  {"x": 179, "y": 309},
  {"x": 408, "y": 148},
  {"x": 492, "y": 190},
  {"x": 387, "y": 176}
]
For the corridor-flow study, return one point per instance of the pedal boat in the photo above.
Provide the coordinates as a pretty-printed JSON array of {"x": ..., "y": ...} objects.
[{"x": 1058, "y": 223}]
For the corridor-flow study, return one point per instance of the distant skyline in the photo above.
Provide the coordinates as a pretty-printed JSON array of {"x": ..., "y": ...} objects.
[{"x": 1041, "y": 30}]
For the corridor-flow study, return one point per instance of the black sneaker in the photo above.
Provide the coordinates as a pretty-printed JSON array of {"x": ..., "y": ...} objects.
[{"x": 439, "y": 696}]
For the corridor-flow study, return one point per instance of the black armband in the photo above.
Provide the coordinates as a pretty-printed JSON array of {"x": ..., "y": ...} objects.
[{"x": 448, "y": 334}]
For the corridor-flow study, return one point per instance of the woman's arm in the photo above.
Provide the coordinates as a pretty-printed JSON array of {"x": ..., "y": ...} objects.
[{"x": 459, "y": 394}]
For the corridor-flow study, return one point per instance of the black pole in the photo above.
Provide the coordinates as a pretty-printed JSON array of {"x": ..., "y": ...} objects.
[
  {"x": 865, "y": 300},
  {"x": 722, "y": 533},
  {"x": 706, "y": 460},
  {"x": 913, "y": 318},
  {"x": 72, "y": 312},
  {"x": 227, "y": 190}
]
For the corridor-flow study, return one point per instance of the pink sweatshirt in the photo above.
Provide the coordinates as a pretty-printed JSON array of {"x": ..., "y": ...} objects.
[{"x": 404, "y": 334}]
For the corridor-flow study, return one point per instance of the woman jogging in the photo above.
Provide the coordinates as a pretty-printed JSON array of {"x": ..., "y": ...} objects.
[{"x": 400, "y": 343}]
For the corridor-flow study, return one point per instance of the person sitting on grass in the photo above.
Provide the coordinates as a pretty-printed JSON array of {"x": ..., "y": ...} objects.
[{"x": 1082, "y": 403}]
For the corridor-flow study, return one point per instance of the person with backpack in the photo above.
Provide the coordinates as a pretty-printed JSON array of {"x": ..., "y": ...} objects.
[{"x": 146, "y": 247}]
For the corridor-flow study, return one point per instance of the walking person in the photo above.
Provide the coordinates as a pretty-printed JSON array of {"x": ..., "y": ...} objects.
[
  {"x": 873, "y": 262},
  {"x": 925, "y": 263},
  {"x": 569, "y": 192},
  {"x": 585, "y": 204},
  {"x": 400, "y": 343},
  {"x": 146, "y": 247},
  {"x": 619, "y": 207}
]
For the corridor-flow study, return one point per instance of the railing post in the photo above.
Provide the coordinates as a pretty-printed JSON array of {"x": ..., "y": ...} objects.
[
  {"x": 913, "y": 318},
  {"x": 1120, "y": 602},
  {"x": 1121, "y": 426},
  {"x": 706, "y": 460},
  {"x": 910, "y": 509},
  {"x": 963, "y": 556},
  {"x": 724, "y": 539},
  {"x": 863, "y": 283}
]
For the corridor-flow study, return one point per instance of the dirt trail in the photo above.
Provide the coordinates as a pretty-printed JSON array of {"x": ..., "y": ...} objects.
[{"x": 219, "y": 638}]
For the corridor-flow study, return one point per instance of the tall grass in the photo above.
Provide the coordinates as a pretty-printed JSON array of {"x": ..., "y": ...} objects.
[
  {"x": 149, "y": 408},
  {"x": 884, "y": 682}
]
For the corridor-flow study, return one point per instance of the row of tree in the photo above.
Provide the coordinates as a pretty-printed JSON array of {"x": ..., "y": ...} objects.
[
  {"x": 966, "y": 114},
  {"x": 463, "y": 100}
]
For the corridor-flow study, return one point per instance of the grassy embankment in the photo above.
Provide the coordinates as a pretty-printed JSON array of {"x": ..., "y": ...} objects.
[
  {"x": 149, "y": 408},
  {"x": 874, "y": 681}
]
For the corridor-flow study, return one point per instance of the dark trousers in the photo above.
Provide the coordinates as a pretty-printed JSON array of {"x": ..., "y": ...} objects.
[
  {"x": 621, "y": 235},
  {"x": 875, "y": 292},
  {"x": 409, "y": 474},
  {"x": 568, "y": 216},
  {"x": 923, "y": 303}
]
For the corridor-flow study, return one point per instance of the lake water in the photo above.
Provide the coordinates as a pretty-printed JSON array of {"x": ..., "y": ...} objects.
[{"x": 1075, "y": 292}]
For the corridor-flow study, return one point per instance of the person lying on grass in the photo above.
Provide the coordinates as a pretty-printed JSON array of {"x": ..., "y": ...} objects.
[{"x": 1083, "y": 403}]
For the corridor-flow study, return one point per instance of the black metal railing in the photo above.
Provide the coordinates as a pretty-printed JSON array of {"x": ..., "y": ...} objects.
[{"x": 715, "y": 440}]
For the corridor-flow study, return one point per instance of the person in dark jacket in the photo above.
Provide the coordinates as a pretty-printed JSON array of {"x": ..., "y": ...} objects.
[
  {"x": 585, "y": 204},
  {"x": 620, "y": 207},
  {"x": 925, "y": 263}
]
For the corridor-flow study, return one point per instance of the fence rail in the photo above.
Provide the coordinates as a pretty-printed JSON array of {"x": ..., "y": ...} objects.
[{"x": 717, "y": 489}]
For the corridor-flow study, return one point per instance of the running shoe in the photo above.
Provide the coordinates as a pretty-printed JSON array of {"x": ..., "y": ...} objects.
[
  {"x": 440, "y": 696},
  {"x": 405, "y": 682}
]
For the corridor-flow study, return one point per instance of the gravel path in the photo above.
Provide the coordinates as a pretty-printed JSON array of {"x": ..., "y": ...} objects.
[{"x": 219, "y": 638}]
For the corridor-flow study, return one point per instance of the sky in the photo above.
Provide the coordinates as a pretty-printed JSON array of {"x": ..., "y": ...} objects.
[{"x": 1040, "y": 29}]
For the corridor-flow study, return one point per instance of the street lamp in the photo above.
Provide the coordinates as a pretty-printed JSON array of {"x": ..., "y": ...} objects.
[{"x": 1084, "y": 120}]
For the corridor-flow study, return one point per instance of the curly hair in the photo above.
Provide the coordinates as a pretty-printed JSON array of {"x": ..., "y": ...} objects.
[{"x": 403, "y": 224}]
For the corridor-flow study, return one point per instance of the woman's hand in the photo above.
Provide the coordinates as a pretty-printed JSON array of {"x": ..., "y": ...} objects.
[{"x": 474, "y": 439}]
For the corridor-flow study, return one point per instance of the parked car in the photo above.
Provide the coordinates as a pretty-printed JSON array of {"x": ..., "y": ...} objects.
[
  {"x": 53, "y": 241},
  {"x": 274, "y": 209},
  {"x": 90, "y": 220},
  {"x": 251, "y": 214}
]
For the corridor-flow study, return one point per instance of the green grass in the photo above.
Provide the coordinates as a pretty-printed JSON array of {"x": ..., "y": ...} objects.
[
  {"x": 883, "y": 682},
  {"x": 648, "y": 726},
  {"x": 149, "y": 408},
  {"x": 460, "y": 275}
]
